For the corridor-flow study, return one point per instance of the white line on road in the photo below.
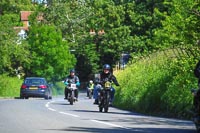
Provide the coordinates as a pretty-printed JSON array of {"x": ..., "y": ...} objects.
[
  {"x": 69, "y": 114},
  {"x": 47, "y": 105},
  {"x": 51, "y": 109},
  {"x": 97, "y": 121},
  {"x": 110, "y": 124}
]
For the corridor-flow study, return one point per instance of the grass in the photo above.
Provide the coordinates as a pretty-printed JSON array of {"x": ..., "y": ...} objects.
[
  {"x": 9, "y": 86},
  {"x": 157, "y": 85}
]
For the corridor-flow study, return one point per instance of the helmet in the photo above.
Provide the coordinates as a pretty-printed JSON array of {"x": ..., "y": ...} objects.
[
  {"x": 106, "y": 66},
  {"x": 72, "y": 71},
  {"x": 91, "y": 81}
]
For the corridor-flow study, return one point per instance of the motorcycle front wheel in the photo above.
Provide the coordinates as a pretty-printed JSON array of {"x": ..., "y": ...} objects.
[
  {"x": 106, "y": 101},
  {"x": 100, "y": 109},
  {"x": 90, "y": 94},
  {"x": 71, "y": 100}
]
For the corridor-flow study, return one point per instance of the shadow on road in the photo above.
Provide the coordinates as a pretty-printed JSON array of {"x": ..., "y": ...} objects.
[
  {"x": 109, "y": 112},
  {"x": 62, "y": 103},
  {"x": 122, "y": 130}
]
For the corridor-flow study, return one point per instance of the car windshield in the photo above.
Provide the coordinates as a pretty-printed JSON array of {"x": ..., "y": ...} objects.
[{"x": 34, "y": 81}]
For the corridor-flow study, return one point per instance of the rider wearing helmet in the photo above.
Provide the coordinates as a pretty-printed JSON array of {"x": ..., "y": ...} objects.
[
  {"x": 106, "y": 75},
  {"x": 197, "y": 95},
  {"x": 90, "y": 86},
  {"x": 71, "y": 78}
]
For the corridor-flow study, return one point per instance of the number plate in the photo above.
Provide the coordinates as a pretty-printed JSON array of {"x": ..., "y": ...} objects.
[
  {"x": 73, "y": 86},
  {"x": 33, "y": 88}
]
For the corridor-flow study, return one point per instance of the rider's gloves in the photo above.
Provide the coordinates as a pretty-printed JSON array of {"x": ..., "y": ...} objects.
[
  {"x": 78, "y": 84},
  {"x": 66, "y": 83}
]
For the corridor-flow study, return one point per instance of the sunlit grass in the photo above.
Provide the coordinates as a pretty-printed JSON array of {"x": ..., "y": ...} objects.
[
  {"x": 10, "y": 86},
  {"x": 157, "y": 84}
]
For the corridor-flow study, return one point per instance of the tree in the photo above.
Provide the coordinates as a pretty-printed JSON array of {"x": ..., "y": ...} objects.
[
  {"x": 181, "y": 25},
  {"x": 71, "y": 17},
  {"x": 15, "y": 6},
  {"x": 110, "y": 18},
  {"x": 13, "y": 55},
  {"x": 50, "y": 54}
]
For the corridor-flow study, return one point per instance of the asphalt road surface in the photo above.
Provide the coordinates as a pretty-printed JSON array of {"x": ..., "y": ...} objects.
[{"x": 36, "y": 115}]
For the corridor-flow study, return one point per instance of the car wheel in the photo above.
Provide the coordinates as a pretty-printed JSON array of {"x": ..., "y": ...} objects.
[
  {"x": 46, "y": 96},
  {"x": 21, "y": 96},
  {"x": 50, "y": 97}
]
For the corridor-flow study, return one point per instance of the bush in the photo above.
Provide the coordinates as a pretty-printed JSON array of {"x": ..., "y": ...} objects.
[
  {"x": 159, "y": 84},
  {"x": 58, "y": 88},
  {"x": 9, "y": 86}
]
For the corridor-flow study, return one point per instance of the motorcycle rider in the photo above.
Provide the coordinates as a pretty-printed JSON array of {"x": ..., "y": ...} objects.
[
  {"x": 106, "y": 74},
  {"x": 90, "y": 87},
  {"x": 197, "y": 94},
  {"x": 73, "y": 79}
]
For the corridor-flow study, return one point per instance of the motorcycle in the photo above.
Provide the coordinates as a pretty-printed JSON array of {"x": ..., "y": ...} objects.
[
  {"x": 71, "y": 95},
  {"x": 104, "y": 97},
  {"x": 90, "y": 92},
  {"x": 196, "y": 112}
]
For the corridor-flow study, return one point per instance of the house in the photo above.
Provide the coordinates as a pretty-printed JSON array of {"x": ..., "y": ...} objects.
[
  {"x": 24, "y": 18},
  {"x": 22, "y": 31}
]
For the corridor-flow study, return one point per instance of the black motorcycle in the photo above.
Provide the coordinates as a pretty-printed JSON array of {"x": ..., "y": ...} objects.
[
  {"x": 90, "y": 92},
  {"x": 71, "y": 93},
  {"x": 104, "y": 97},
  {"x": 196, "y": 111}
]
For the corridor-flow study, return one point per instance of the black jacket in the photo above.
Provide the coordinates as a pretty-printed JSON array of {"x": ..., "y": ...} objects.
[
  {"x": 70, "y": 79},
  {"x": 197, "y": 70},
  {"x": 108, "y": 77}
]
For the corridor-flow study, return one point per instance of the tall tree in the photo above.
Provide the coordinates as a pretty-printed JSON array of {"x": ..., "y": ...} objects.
[
  {"x": 12, "y": 54},
  {"x": 70, "y": 16},
  {"x": 180, "y": 26},
  {"x": 15, "y": 6},
  {"x": 50, "y": 54},
  {"x": 108, "y": 18}
]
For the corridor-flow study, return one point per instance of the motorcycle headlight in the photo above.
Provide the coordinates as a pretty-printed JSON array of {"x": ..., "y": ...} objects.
[{"x": 107, "y": 84}]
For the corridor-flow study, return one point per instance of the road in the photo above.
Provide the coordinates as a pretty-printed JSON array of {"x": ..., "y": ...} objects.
[{"x": 37, "y": 115}]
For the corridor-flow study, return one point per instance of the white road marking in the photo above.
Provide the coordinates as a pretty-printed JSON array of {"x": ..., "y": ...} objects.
[
  {"x": 97, "y": 121},
  {"x": 69, "y": 114},
  {"x": 51, "y": 109},
  {"x": 47, "y": 105},
  {"x": 106, "y": 123}
]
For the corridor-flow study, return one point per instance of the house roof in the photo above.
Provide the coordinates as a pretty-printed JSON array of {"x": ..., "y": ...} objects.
[{"x": 25, "y": 15}]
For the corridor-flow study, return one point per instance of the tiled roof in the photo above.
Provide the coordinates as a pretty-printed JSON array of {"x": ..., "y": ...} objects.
[{"x": 24, "y": 15}]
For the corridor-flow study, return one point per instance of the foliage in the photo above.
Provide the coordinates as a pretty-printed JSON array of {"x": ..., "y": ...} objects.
[
  {"x": 180, "y": 27},
  {"x": 179, "y": 99},
  {"x": 165, "y": 87},
  {"x": 9, "y": 86},
  {"x": 15, "y": 6},
  {"x": 12, "y": 55},
  {"x": 129, "y": 26},
  {"x": 58, "y": 88},
  {"x": 50, "y": 55},
  {"x": 137, "y": 27}
]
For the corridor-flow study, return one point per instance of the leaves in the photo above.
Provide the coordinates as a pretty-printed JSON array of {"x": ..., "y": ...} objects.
[
  {"x": 137, "y": 27},
  {"x": 158, "y": 83},
  {"x": 51, "y": 57}
]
